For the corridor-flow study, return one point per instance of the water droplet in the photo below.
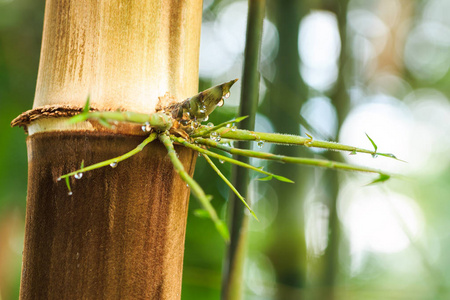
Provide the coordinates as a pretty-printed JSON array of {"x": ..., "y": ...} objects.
[
  {"x": 206, "y": 118},
  {"x": 233, "y": 128},
  {"x": 226, "y": 95},
  {"x": 70, "y": 193},
  {"x": 210, "y": 125},
  {"x": 187, "y": 185},
  {"x": 221, "y": 161},
  {"x": 146, "y": 127},
  {"x": 113, "y": 164},
  {"x": 215, "y": 136},
  {"x": 229, "y": 125},
  {"x": 352, "y": 153},
  {"x": 220, "y": 103},
  {"x": 260, "y": 144},
  {"x": 199, "y": 154},
  {"x": 58, "y": 179},
  {"x": 374, "y": 155},
  {"x": 202, "y": 110},
  {"x": 78, "y": 175},
  {"x": 196, "y": 124}
]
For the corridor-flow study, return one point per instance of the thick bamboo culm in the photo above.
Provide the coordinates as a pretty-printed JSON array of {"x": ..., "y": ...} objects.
[{"x": 121, "y": 234}]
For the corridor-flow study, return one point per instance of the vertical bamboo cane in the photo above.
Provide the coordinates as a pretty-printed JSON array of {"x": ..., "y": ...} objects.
[{"x": 121, "y": 233}]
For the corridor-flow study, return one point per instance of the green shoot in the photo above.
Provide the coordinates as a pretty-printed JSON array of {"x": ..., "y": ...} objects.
[
  {"x": 195, "y": 187},
  {"x": 229, "y": 184}
]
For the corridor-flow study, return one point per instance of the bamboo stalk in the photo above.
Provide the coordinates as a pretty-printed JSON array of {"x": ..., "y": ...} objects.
[
  {"x": 232, "y": 281},
  {"x": 121, "y": 233}
]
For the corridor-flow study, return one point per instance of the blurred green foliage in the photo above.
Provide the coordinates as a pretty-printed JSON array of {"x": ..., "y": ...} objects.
[{"x": 404, "y": 70}]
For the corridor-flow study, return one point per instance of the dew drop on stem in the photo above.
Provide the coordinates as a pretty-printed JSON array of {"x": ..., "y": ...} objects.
[
  {"x": 213, "y": 135},
  {"x": 260, "y": 144},
  {"x": 78, "y": 175},
  {"x": 113, "y": 164},
  {"x": 220, "y": 103},
  {"x": 58, "y": 179},
  {"x": 226, "y": 95},
  {"x": 70, "y": 193},
  {"x": 210, "y": 125},
  {"x": 221, "y": 161},
  {"x": 233, "y": 128}
]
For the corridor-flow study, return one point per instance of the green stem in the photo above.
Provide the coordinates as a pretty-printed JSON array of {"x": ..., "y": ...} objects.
[
  {"x": 228, "y": 159},
  {"x": 113, "y": 161},
  {"x": 236, "y": 252},
  {"x": 288, "y": 159},
  {"x": 195, "y": 187},
  {"x": 159, "y": 121},
  {"x": 288, "y": 139},
  {"x": 210, "y": 162}
]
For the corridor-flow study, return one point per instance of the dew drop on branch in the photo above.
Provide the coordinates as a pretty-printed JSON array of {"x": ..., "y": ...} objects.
[
  {"x": 221, "y": 161},
  {"x": 260, "y": 144},
  {"x": 146, "y": 127},
  {"x": 113, "y": 164},
  {"x": 210, "y": 125},
  {"x": 78, "y": 175},
  {"x": 206, "y": 118},
  {"x": 58, "y": 179},
  {"x": 233, "y": 128},
  {"x": 70, "y": 193},
  {"x": 220, "y": 103},
  {"x": 213, "y": 135}
]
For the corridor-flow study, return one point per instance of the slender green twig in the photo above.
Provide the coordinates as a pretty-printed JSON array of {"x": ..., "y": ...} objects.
[
  {"x": 210, "y": 162},
  {"x": 246, "y": 135},
  {"x": 235, "y": 257},
  {"x": 195, "y": 187},
  {"x": 113, "y": 161},
  {"x": 288, "y": 159},
  {"x": 205, "y": 130},
  {"x": 228, "y": 159}
]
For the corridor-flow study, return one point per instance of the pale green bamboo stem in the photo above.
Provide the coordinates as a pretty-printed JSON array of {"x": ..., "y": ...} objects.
[{"x": 195, "y": 187}]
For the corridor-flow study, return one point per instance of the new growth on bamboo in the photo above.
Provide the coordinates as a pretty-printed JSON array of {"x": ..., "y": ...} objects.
[{"x": 180, "y": 123}]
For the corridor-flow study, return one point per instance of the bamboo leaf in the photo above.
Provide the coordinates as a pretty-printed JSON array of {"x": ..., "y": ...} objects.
[
  {"x": 373, "y": 143},
  {"x": 380, "y": 179},
  {"x": 267, "y": 178},
  {"x": 222, "y": 228},
  {"x": 282, "y": 178},
  {"x": 202, "y": 213},
  {"x": 87, "y": 106},
  {"x": 230, "y": 185}
]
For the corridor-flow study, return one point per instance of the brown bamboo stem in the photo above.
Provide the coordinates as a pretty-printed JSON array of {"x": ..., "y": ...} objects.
[{"x": 121, "y": 234}]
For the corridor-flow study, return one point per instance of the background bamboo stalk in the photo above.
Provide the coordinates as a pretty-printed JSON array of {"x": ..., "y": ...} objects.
[
  {"x": 234, "y": 261},
  {"x": 121, "y": 233}
]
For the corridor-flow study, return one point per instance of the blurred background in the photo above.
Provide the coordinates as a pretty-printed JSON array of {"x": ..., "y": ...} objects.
[{"x": 335, "y": 69}]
